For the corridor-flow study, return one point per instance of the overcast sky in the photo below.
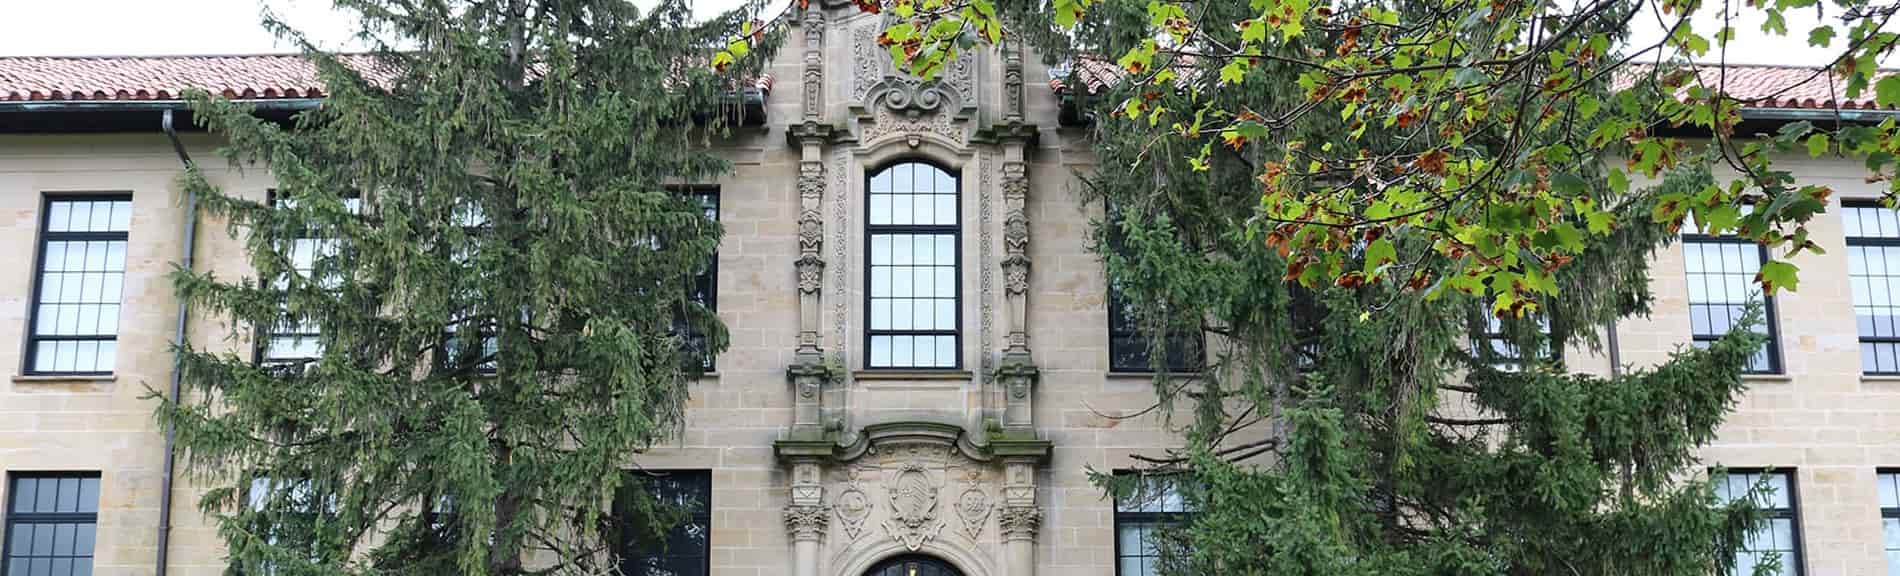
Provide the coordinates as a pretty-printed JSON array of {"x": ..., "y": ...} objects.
[{"x": 139, "y": 27}]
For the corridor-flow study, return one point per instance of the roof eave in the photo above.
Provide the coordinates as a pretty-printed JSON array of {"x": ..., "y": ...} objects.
[{"x": 292, "y": 104}]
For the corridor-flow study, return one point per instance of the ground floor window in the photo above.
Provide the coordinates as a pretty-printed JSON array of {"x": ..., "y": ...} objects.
[
  {"x": 686, "y": 550},
  {"x": 1781, "y": 536},
  {"x": 51, "y": 523}
]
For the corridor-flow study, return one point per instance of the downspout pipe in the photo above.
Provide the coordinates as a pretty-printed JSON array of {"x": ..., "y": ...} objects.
[{"x": 178, "y": 354}]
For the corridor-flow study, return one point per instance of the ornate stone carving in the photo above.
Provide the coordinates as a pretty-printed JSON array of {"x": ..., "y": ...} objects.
[
  {"x": 814, "y": 97},
  {"x": 1020, "y": 522},
  {"x": 867, "y": 59},
  {"x": 811, "y": 273},
  {"x": 886, "y": 122},
  {"x": 973, "y": 505},
  {"x": 910, "y": 96},
  {"x": 1012, "y": 81},
  {"x": 806, "y": 522},
  {"x": 840, "y": 283},
  {"x": 912, "y": 494},
  {"x": 853, "y": 506},
  {"x": 986, "y": 274},
  {"x": 1016, "y": 274}
]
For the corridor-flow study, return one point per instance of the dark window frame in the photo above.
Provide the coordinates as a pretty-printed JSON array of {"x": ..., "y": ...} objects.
[
  {"x": 702, "y": 479},
  {"x": 1792, "y": 513},
  {"x": 1886, "y": 512},
  {"x": 29, "y": 357},
  {"x": 956, "y": 289},
  {"x": 1186, "y": 351},
  {"x": 930, "y": 566},
  {"x": 1869, "y": 241},
  {"x": 704, "y": 287},
  {"x": 13, "y": 519},
  {"x": 1134, "y": 517},
  {"x": 1769, "y": 316}
]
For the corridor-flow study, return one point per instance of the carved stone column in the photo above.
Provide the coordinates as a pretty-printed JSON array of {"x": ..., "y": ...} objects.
[
  {"x": 1017, "y": 372},
  {"x": 806, "y": 516},
  {"x": 1021, "y": 518},
  {"x": 808, "y": 372}
]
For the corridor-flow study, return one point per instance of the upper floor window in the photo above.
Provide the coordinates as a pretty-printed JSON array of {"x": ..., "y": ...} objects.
[
  {"x": 75, "y": 326},
  {"x": 686, "y": 550},
  {"x": 912, "y": 232},
  {"x": 1498, "y": 347},
  {"x": 1140, "y": 515},
  {"x": 1721, "y": 272},
  {"x": 52, "y": 521},
  {"x": 1129, "y": 349},
  {"x": 1873, "y": 269},
  {"x": 298, "y": 337},
  {"x": 705, "y": 285},
  {"x": 1889, "y": 481},
  {"x": 1780, "y": 537}
]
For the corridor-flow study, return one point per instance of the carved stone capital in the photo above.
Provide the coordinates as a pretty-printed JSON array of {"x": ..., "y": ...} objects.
[
  {"x": 807, "y": 522},
  {"x": 1020, "y": 522}
]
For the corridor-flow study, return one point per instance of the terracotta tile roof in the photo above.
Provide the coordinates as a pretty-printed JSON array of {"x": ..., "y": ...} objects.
[
  {"x": 264, "y": 76},
  {"x": 158, "y": 77},
  {"x": 1770, "y": 86},
  {"x": 1762, "y": 86}
]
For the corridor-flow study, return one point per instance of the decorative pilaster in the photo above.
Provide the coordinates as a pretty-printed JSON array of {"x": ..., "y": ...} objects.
[
  {"x": 808, "y": 372},
  {"x": 806, "y": 516},
  {"x": 1017, "y": 372},
  {"x": 1021, "y": 518}
]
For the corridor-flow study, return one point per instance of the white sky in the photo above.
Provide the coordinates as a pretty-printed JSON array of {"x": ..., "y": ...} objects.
[{"x": 142, "y": 27}]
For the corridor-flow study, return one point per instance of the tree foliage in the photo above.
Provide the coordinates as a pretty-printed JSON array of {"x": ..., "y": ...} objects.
[
  {"x": 1343, "y": 193},
  {"x": 479, "y": 235}
]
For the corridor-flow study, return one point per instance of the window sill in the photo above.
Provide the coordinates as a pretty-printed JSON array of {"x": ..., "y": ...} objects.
[
  {"x": 1883, "y": 379},
  {"x": 1767, "y": 378},
  {"x": 888, "y": 374},
  {"x": 65, "y": 382},
  {"x": 1150, "y": 375}
]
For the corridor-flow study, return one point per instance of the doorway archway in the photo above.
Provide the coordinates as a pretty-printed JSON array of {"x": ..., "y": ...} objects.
[{"x": 913, "y": 565}]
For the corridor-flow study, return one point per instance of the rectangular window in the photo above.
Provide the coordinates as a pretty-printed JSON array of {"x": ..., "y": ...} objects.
[
  {"x": 52, "y": 520},
  {"x": 75, "y": 325},
  {"x": 705, "y": 285},
  {"x": 299, "y": 339},
  {"x": 1889, "y": 481},
  {"x": 1496, "y": 347},
  {"x": 1128, "y": 348},
  {"x": 1155, "y": 505},
  {"x": 1782, "y": 535},
  {"x": 1873, "y": 270},
  {"x": 912, "y": 232},
  {"x": 1721, "y": 273},
  {"x": 686, "y": 550}
]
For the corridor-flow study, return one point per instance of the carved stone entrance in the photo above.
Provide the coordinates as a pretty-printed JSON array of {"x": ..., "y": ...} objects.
[{"x": 913, "y": 566}]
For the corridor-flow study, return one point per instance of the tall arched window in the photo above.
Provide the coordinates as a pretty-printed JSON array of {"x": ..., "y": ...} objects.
[{"x": 911, "y": 235}]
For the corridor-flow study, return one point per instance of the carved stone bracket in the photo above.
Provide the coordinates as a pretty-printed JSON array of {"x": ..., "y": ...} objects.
[{"x": 1018, "y": 376}]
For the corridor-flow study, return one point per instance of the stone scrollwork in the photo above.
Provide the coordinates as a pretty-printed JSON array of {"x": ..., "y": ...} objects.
[{"x": 910, "y": 96}]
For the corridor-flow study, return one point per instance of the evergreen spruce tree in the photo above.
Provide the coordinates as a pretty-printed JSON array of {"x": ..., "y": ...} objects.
[
  {"x": 1348, "y": 425},
  {"x": 471, "y": 302}
]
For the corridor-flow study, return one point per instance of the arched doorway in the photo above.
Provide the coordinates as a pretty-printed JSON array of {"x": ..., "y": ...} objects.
[{"x": 913, "y": 566}]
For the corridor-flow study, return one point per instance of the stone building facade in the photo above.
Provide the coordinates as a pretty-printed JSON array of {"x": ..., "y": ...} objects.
[{"x": 826, "y": 450}]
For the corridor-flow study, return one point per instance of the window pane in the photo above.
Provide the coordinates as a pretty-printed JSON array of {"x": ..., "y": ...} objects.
[
  {"x": 912, "y": 269},
  {"x": 1725, "y": 270}
]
